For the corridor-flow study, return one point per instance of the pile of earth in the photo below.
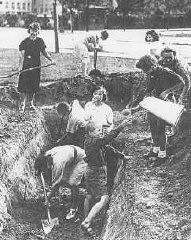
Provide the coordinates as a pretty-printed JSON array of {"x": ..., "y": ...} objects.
[{"x": 146, "y": 203}]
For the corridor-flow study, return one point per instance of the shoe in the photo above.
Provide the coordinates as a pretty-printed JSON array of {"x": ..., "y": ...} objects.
[
  {"x": 31, "y": 108},
  {"x": 150, "y": 154},
  {"x": 71, "y": 214},
  {"x": 159, "y": 161},
  {"x": 22, "y": 108},
  {"x": 87, "y": 229}
]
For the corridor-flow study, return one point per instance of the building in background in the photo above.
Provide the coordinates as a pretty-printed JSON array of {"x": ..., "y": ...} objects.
[
  {"x": 44, "y": 7},
  {"x": 15, "y": 6}
]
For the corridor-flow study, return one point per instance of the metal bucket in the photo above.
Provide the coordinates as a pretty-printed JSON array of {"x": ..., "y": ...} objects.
[{"x": 168, "y": 111}]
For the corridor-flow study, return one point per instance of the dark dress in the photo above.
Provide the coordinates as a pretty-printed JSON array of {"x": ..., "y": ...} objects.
[{"x": 29, "y": 81}]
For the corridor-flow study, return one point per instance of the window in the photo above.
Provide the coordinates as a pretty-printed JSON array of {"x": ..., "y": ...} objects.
[
  {"x": 1, "y": 2},
  {"x": 13, "y": 5},
  {"x": 18, "y": 6},
  {"x": 24, "y": 6},
  {"x": 29, "y": 7},
  {"x": 7, "y": 5}
]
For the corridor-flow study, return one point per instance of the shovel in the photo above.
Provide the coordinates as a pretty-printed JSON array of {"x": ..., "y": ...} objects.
[
  {"x": 26, "y": 70},
  {"x": 47, "y": 224},
  {"x": 95, "y": 72}
]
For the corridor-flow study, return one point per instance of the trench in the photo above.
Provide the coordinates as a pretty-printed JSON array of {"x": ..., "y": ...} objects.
[
  {"x": 146, "y": 203},
  {"x": 24, "y": 137}
]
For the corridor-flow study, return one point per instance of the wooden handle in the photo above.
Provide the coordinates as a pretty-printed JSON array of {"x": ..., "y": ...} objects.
[
  {"x": 26, "y": 70},
  {"x": 45, "y": 197},
  {"x": 95, "y": 58}
]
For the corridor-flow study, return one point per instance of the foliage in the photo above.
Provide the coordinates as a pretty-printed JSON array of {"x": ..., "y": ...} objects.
[
  {"x": 129, "y": 6},
  {"x": 28, "y": 19},
  {"x": 12, "y": 19},
  {"x": 166, "y": 6}
]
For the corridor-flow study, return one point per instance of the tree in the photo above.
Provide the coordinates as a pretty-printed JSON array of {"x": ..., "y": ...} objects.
[
  {"x": 71, "y": 7},
  {"x": 127, "y": 7},
  {"x": 168, "y": 7}
]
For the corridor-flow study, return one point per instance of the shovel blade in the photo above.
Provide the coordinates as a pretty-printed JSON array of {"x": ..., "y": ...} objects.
[{"x": 48, "y": 225}]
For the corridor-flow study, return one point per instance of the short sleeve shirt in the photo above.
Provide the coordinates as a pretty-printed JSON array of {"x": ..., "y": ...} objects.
[
  {"x": 101, "y": 115},
  {"x": 32, "y": 49}
]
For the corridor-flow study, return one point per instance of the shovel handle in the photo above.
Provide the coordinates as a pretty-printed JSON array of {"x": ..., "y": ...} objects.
[
  {"x": 45, "y": 197},
  {"x": 26, "y": 70},
  {"x": 95, "y": 58}
]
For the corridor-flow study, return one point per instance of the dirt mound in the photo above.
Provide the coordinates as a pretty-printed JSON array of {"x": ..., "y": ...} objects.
[
  {"x": 152, "y": 203},
  {"x": 125, "y": 88}
]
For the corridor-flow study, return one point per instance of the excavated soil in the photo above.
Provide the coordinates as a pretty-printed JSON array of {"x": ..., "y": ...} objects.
[{"x": 147, "y": 203}]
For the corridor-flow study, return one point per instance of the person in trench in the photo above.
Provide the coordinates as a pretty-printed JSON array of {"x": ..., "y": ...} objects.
[
  {"x": 96, "y": 174},
  {"x": 30, "y": 49},
  {"x": 63, "y": 166},
  {"x": 75, "y": 129},
  {"x": 160, "y": 83},
  {"x": 102, "y": 114}
]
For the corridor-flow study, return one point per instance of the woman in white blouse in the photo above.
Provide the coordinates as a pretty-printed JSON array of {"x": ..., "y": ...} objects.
[{"x": 98, "y": 111}]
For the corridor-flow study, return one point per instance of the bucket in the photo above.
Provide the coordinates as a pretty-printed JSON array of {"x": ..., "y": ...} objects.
[{"x": 168, "y": 111}]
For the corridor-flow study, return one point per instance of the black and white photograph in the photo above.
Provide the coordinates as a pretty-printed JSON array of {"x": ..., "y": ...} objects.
[{"x": 95, "y": 119}]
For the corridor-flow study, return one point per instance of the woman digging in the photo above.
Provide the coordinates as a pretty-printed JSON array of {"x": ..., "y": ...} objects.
[{"x": 30, "y": 49}]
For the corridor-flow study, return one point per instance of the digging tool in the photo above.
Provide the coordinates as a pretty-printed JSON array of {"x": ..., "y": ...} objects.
[
  {"x": 47, "y": 224},
  {"x": 95, "y": 71},
  {"x": 26, "y": 70}
]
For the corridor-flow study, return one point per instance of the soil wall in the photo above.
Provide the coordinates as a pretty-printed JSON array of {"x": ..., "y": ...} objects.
[{"x": 22, "y": 136}]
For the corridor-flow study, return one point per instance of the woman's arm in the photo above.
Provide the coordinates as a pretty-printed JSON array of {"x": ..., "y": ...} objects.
[
  {"x": 114, "y": 133},
  {"x": 47, "y": 55},
  {"x": 130, "y": 111},
  {"x": 21, "y": 59}
]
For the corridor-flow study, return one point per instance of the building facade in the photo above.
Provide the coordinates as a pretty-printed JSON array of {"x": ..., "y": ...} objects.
[
  {"x": 15, "y": 6},
  {"x": 43, "y": 7}
]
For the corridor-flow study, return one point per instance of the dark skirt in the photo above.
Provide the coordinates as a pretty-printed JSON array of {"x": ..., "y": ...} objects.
[
  {"x": 29, "y": 81},
  {"x": 96, "y": 181}
]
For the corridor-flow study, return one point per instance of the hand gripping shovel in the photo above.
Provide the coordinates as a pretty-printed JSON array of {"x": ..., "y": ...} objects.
[{"x": 47, "y": 224}]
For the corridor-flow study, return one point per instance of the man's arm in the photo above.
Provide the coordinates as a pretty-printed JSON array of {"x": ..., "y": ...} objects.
[
  {"x": 177, "y": 78},
  {"x": 180, "y": 70}
]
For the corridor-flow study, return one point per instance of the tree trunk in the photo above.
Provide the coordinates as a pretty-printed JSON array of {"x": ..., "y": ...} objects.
[
  {"x": 87, "y": 15},
  {"x": 71, "y": 21},
  {"x": 62, "y": 18},
  {"x": 56, "y": 28}
]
